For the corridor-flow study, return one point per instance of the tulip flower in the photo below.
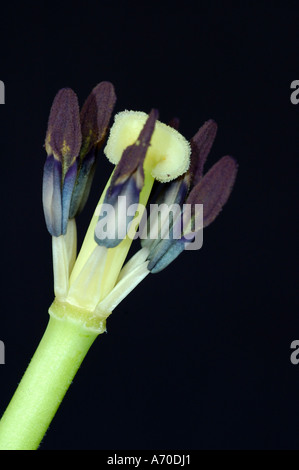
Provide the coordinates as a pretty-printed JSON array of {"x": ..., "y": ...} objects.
[{"x": 88, "y": 286}]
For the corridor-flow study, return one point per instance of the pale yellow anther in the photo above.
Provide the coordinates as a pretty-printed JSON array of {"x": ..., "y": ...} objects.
[{"x": 168, "y": 155}]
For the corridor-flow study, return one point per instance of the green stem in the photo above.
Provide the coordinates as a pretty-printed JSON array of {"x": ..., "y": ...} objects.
[{"x": 44, "y": 384}]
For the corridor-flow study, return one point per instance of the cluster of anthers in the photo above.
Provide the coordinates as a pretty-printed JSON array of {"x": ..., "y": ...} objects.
[{"x": 89, "y": 286}]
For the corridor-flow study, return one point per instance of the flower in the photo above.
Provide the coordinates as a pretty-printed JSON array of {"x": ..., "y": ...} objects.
[{"x": 89, "y": 286}]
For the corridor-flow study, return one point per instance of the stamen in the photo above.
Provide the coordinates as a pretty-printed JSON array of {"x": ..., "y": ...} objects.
[
  {"x": 85, "y": 289},
  {"x": 121, "y": 290},
  {"x": 133, "y": 262},
  {"x": 60, "y": 267}
]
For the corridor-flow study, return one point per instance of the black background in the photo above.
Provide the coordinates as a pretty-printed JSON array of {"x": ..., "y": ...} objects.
[{"x": 198, "y": 356}]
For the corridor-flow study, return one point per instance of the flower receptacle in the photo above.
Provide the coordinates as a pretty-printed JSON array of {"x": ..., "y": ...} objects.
[{"x": 86, "y": 318}]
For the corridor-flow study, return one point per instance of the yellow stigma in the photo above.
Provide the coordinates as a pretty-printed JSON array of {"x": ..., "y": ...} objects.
[{"x": 168, "y": 155}]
